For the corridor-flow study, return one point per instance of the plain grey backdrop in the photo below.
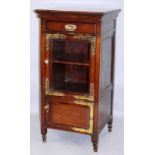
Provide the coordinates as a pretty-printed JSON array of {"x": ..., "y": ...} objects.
[{"x": 61, "y": 143}]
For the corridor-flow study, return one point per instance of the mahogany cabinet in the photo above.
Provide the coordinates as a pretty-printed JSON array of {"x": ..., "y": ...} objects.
[{"x": 77, "y": 54}]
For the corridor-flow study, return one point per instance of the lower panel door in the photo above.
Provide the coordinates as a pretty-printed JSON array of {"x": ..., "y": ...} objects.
[{"x": 68, "y": 116}]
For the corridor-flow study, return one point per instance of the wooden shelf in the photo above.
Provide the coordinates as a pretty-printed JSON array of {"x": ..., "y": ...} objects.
[
  {"x": 72, "y": 60},
  {"x": 71, "y": 63}
]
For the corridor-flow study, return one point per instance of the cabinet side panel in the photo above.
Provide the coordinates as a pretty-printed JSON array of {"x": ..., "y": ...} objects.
[
  {"x": 105, "y": 110},
  {"x": 105, "y": 74},
  {"x": 105, "y": 69}
]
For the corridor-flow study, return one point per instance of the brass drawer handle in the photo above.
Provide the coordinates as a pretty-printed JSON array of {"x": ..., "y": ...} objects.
[{"x": 70, "y": 27}]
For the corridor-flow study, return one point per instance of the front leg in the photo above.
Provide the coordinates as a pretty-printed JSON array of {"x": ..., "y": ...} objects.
[
  {"x": 44, "y": 132},
  {"x": 44, "y": 138},
  {"x": 95, "y": 142},
  {"x": 110, "y": 125},
  {"x": 95, "y": 146}
]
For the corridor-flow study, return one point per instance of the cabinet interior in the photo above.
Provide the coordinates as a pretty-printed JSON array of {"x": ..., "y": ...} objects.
[{"x": 70, "y": 65}]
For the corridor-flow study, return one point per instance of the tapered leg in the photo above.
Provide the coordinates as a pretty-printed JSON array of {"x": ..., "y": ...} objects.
[
  {"x": 110, "y": 125},
  {"x": 95, "y": 143},
  {"x": 95, "y": 146},
  {"x": 44, "y": 138},
  {"x": 44, "y": 132}
]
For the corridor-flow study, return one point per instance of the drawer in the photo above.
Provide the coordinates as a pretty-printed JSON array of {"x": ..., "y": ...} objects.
[
  {"x": 69, "y": 115},
  {"x": 71, "y": 27}
]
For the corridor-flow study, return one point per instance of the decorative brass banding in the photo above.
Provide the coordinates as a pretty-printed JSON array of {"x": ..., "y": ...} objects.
[
  {"x": 52, "y": 93},
  {"x": 90, "y": 38},
  {"x": 92, "y": 89},
  {"x": 80, "y": 97},
  {"x": 55, "y": 93},
  {"x": 53, "y": 36},
  {"x": 80, "y": 102},
  {"x": 90, "y": 129}
]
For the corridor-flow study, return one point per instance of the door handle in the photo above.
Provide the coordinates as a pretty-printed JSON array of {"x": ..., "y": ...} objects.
[
  {"x": 46, "y": 107},
  {"x": 46, "y": 61}
]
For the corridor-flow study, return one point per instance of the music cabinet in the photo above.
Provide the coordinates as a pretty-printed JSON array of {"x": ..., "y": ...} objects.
[{"x": 77, "y": 54}]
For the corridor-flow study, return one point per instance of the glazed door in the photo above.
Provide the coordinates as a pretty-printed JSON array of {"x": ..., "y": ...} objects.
[{"x": 70, "y": 65}]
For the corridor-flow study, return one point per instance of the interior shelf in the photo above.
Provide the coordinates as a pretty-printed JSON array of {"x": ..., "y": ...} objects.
[
  {"x": 70, "y": 78},
  {"x": 70, "y": 65},
  {"x": 71, "y": 59}
]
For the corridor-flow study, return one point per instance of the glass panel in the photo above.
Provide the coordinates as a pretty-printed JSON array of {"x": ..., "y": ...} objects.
[
  {"x": 70, "y": 78},
  {"x": 71, "y": 51},
  {"x": 70, "y": 66}
]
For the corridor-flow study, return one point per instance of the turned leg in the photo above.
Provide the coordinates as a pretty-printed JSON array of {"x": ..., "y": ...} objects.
[
  {"x": 95, "y": 146},
  {"x": 110, "y": 126},
  {"x": 44, "y": 132},
  {"x": 44, "y": 138},
  {"x": 95, "y": 143}
]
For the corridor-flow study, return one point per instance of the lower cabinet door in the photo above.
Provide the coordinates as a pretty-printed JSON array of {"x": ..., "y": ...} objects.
[{"x": 68, "y": 115}]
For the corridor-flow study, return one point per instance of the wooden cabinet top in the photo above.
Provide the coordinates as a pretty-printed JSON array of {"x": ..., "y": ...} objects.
[{"x": 74, "y": 14}]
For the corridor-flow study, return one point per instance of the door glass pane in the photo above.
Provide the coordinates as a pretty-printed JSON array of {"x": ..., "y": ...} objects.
[
  {"x": 72, "y": 51},
  {"x": 70, "y": 66}
]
